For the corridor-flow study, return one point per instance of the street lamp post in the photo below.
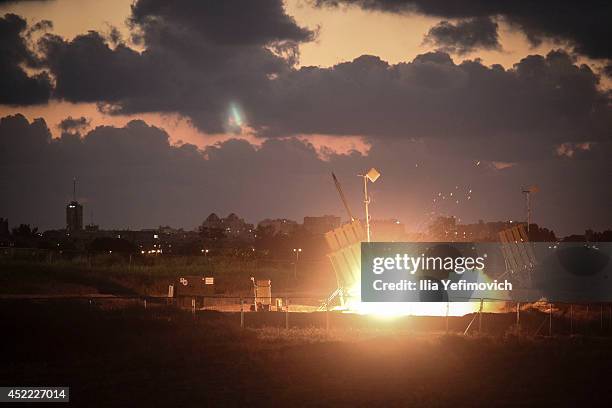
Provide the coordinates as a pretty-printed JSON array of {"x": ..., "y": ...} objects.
[
  {"x": 528, "y": 191},
  {"x": 371, "y": 175},
  {"x": 296, "y": 251}
]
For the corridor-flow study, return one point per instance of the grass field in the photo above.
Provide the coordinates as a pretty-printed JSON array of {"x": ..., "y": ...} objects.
[
  {"x": 162, "y": 356},
  {"x": 110, "y": 274}
]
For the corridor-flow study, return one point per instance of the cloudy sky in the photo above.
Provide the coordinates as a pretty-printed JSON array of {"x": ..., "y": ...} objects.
[{"x": 167, "y": 111}]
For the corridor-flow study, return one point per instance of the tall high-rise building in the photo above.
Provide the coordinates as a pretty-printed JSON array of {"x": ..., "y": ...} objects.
[{"x": 74, "y": 212}]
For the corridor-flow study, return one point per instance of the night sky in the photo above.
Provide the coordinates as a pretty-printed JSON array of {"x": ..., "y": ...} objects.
[{"x": 168, "y": 111}]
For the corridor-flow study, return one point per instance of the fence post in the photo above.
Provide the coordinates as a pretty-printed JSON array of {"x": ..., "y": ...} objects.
[
  {"x": 571, "y": 319},
  {"x": 447, "y": 311},
  {"x": 241, "y": 313},
  {"x": 550, "y": 307},
  {"x": 170, "y": 298},
  {"x": 587, "y": 321},
  {"x": 287, "y": 313},
  {"x": 480, "y": 318},
  {"x": 518, "y": 318}
]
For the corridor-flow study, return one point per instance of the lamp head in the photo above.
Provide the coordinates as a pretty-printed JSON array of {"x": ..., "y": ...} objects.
[{"x": 372, "y": 174}]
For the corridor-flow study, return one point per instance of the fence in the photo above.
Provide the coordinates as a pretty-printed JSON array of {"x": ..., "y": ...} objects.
[{"x": 536, "y": 319}]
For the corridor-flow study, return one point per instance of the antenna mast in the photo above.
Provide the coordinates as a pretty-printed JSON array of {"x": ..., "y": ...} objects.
[{"x": 527, "y": 191}]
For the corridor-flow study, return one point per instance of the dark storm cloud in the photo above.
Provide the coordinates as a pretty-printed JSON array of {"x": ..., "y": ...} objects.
[
  {"x": 257, "y": 23},
  {"x": 21, "y": 140},
  {"x": 542, "y": 101},
  {"x": 73, "y": 125},
  {"x": 86, "y": 69},
  {"x": 464, "y": 36},
  {"x": 584, "y": 24},
  {"x": 194, "y": 65},
  {"x": 199, "y": 57},
  {"x": 17, "y": 87},
  {"x": 134, "y": 177},
  {"x": 505, "y": 114}
]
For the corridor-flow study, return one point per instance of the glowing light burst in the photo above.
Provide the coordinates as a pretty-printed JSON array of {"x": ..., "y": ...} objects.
[
  {"x": 235, "y": 120},
  {"x": 397, "y": 309}
]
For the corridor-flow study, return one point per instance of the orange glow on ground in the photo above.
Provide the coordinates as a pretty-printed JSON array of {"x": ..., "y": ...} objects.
[
  {"x": 395, "y": 309},
  {"x": 381, "y": 309}
]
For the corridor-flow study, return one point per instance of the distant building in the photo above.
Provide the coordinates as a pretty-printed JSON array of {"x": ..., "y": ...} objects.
[
  {"x": 212, "y": 222},
  {"x": 482, "y": 231},
  {"x": 280, "y": 226},
  {"x": 446, "y": 229},
  {"x": 74, "y": 212},
  {"x": 321, "y": 224},
  {"x": 232, "y": 226},
  {"x": 168, "y": 230},
  {"x": 92, "y": 228},
  {"x": 388, "y": 230},
  {"x": 5, "y": 236},
  {"x": 152, "y": 241},
  {"x": 443, "y": 229},
  {"x": 4, "y": 227},
  {"x": 74, "y": 216},
  {"x": 235, "y": 226}
]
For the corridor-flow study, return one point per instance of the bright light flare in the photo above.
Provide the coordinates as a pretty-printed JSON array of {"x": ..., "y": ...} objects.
[
  {"x": 235, "y": 120},
  {"x": 353, "y": 304}
]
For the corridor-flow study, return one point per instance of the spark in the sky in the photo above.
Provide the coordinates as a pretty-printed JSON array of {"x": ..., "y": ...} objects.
[{"x": 235, "y": 120}]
